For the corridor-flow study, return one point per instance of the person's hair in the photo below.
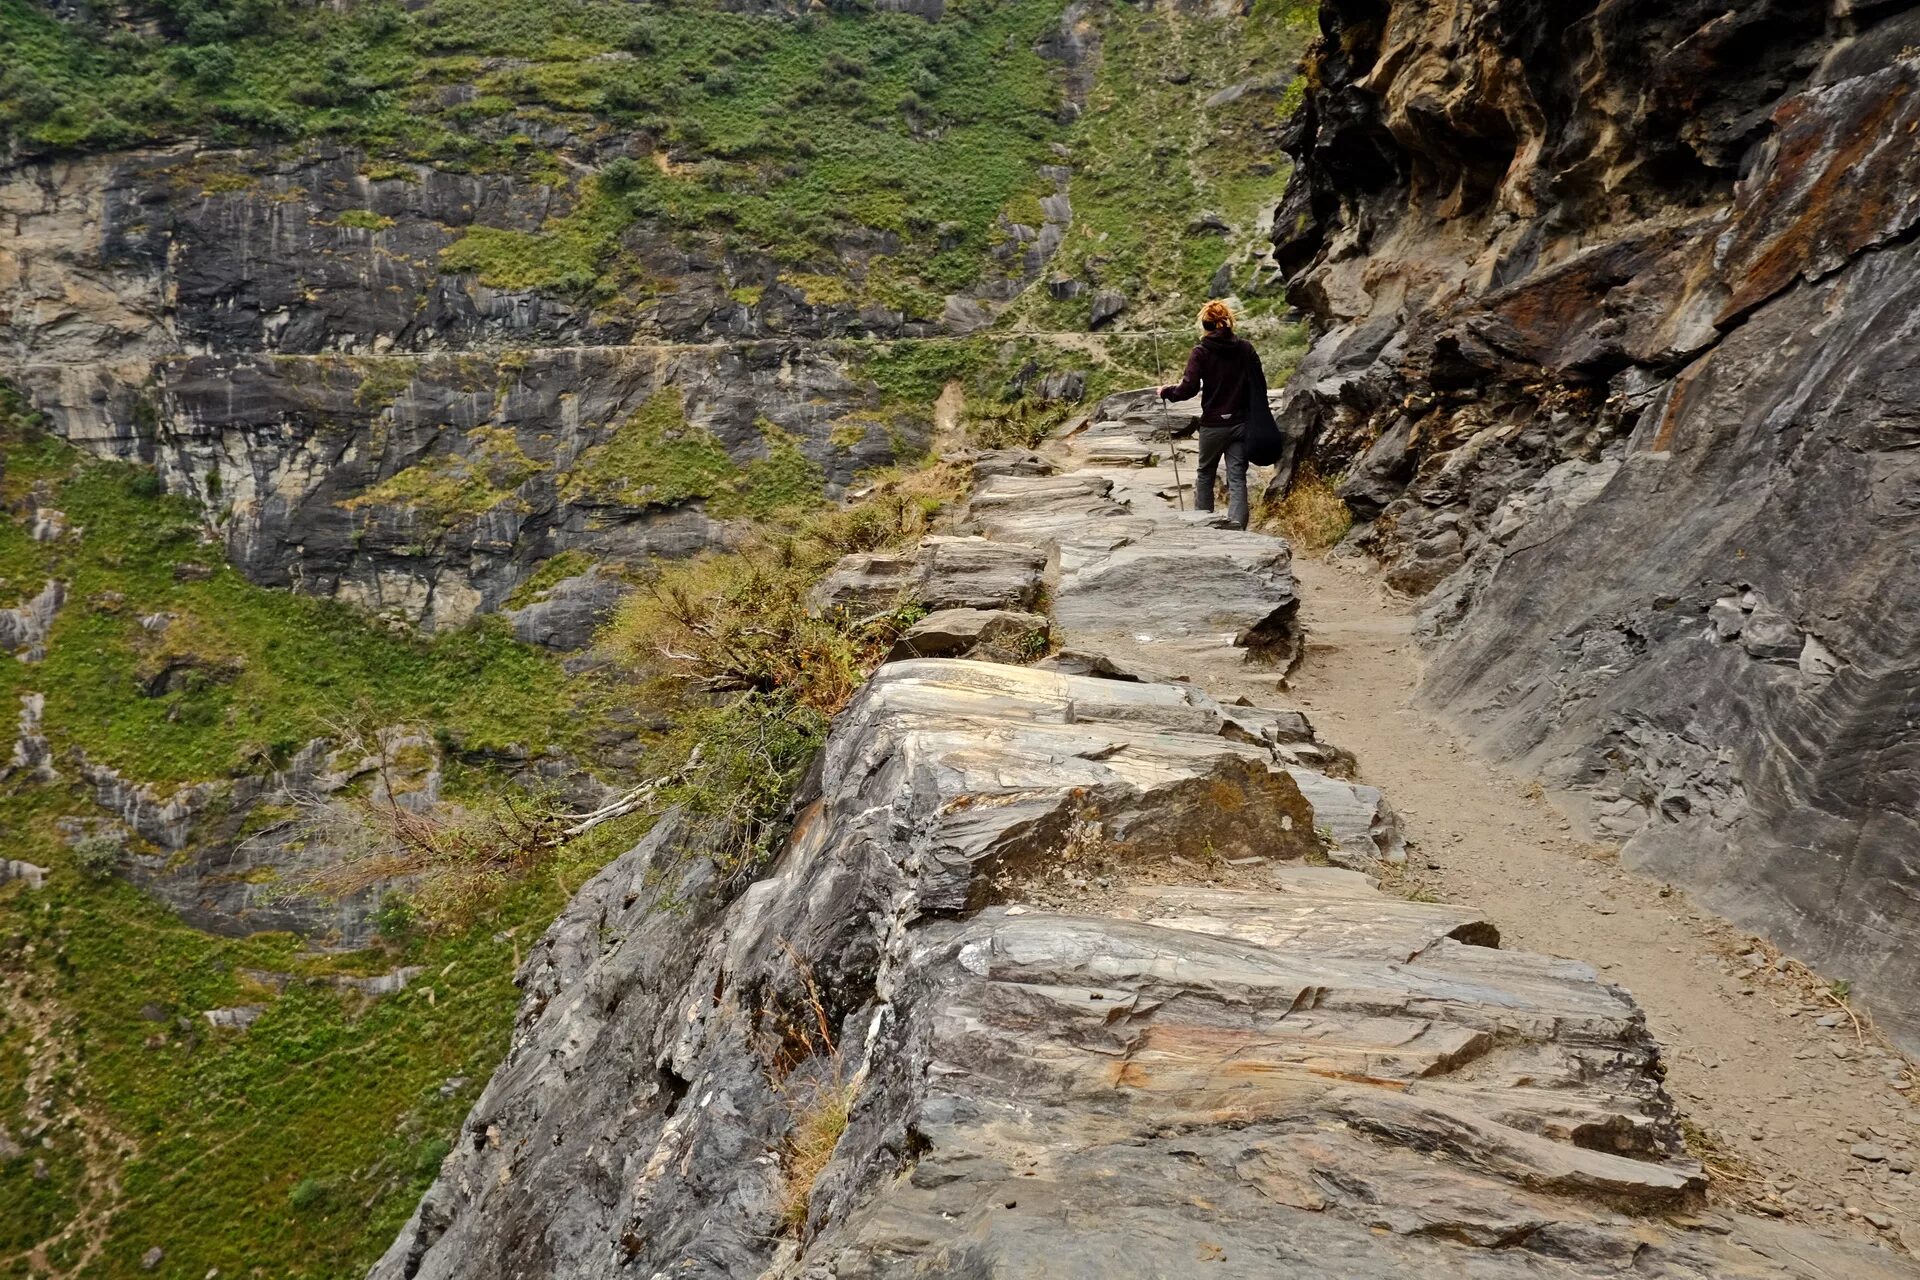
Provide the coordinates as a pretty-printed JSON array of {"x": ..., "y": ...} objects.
[{"x": 1216, "y": 315}]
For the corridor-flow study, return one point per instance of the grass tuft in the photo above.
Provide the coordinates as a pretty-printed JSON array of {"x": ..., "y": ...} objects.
[{"x": 1312, "y": 515}]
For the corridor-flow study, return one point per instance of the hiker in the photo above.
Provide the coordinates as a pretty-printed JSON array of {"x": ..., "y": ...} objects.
[{"x": 1222, "y": 368}]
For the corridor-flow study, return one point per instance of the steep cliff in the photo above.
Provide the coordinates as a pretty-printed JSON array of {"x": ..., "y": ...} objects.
[{"x": 1614, "y": 312}]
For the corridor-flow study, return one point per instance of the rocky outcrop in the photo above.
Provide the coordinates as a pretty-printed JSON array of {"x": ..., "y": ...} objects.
[
  {"x": 25, "y": 872},
  {"x": 24, "y": 627},
  {"x": 955, "y": 633},
  {"x": 313, "y": 249},
  {"x": 431, "y": 486},
  {"x": 1051, "y": 979},
  {"x": 1614, "y": 347}
]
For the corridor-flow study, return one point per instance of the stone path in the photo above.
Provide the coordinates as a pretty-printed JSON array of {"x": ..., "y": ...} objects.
[{"x": 1063, "y": 945}]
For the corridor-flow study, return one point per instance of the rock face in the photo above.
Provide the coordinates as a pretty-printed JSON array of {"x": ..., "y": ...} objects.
[
  {"x": 1213, "y": 1050},
  {"x": 274, "y": 332},
  {"x": 1616, "y": 348}
]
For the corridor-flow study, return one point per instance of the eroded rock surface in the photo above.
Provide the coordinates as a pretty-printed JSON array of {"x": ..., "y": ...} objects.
[
  {"x": 1222, "y": 1053},
  {"x": 1615, "y": 349}
]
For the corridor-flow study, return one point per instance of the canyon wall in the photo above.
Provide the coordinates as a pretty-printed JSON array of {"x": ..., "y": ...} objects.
[
  {"x": 1615, "y": 356},
  {"x": 277, "y": 335}
]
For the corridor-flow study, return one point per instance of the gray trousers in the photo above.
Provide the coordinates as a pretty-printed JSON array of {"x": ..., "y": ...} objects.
[{"x": 1228, "y": 442}]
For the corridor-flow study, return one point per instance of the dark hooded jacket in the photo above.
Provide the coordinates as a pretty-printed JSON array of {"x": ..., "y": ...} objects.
[{"x": 1220, "y": 369}]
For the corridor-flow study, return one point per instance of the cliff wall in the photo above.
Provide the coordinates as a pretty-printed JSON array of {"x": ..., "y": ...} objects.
[{"x": 1614, "y": 311}]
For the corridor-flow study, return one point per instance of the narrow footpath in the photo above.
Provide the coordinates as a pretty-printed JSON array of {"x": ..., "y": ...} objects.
[{"x": 1809, "y": 1117}]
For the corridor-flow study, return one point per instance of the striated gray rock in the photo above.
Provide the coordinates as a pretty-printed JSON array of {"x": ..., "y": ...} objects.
[
  {"x": 956, "y": 633},
  {"x": 566, "y": 615},
  {"x": 1139, "y": 581},
  {"x": 273, "y": 330},
  {"x": 237, "y": 1018},
  {"x": 1364, "y": 827},
  {"x": 941, "y": 573},
  {"x": 1614, "y": 343},
  {"x": 225, "y": 877},
  {"x": 24, "y": 627},
  {"x": 26, "y": 872},
  {"x": 32, "y": 757},
  {"x": 312, "y": 469}
]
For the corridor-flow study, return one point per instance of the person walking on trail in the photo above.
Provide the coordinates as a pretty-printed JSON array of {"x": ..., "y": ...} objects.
[{"x": 1221, "y": 369}]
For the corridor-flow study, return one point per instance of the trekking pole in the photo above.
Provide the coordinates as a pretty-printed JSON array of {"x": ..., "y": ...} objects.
[{"x": 1173, "y": 446}]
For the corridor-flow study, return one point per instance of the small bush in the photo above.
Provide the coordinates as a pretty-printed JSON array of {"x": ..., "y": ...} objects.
[
  {"x": 429, "y": 1156},
  {"x": 819, "y": 1120},
  {"x": 310, "y": 1194},
  {"x": 1019, "y": 424},
  {"x": 393, "y": 919},
  {"x": 98, "y": 855},
  {"x": 741, "y": 620}
]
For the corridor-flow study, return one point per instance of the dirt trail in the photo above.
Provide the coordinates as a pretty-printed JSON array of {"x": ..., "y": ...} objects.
[{"x": 1809, "y": 1120}]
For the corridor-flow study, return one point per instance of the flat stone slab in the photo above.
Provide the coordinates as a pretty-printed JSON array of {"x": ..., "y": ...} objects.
[
  {"x": 1124, "y": 451},
  {"x": 941, "y": 573},
  {"x": 1154, "y": 586}
]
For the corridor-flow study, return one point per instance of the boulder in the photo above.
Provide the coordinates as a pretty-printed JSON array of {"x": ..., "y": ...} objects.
[
  {"x": 25, "y": 627},
  {"x": 566, "y": 616},
  {"x": 27, "y": 873}
]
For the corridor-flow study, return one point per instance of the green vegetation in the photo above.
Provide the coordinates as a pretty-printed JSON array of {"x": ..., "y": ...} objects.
[
  {"x": 297, "y": 1146},
  {"x": 785, "y": 480},
  {"x": 240, "y": 676},
  {"x": 999, "y": 376},
  {"x": 655, "y": 459},
  {"x": 777, "y": 135},
  {"x": 1149, "y": 157},
  {"x": 658, "y": 459},
  {"x": 552, "y": 572},
  {"x": 565, "y": 254},
  {"x": 363, "y": 220},
  {"x": 450, "y": 487}
]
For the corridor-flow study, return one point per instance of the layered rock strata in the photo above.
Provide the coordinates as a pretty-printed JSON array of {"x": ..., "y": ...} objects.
[
  {"x": 274, "y": 330},
  {"x": 1615, "y": 353}
]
